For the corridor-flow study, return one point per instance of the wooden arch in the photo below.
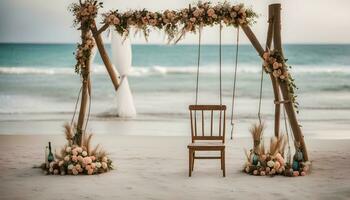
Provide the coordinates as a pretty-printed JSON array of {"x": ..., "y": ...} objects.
[{"x": 280, "y": 88}]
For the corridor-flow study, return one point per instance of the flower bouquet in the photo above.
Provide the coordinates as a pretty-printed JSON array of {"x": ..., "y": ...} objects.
[
  {"x": 74, "y": 159},
  {"x": 273, "y": 162}
]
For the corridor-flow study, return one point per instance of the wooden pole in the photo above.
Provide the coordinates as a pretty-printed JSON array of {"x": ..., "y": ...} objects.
[
  {"x": 84, "y": 98},
  {"x": 284, "y": 84},
  {"x": 252, "y": 38},
  {"x": 113, "y": 73},
  {"x": 275, "y": 84}
]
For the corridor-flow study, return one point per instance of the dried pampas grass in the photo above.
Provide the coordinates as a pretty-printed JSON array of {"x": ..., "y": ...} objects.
[{"x": 257, "y": 131}]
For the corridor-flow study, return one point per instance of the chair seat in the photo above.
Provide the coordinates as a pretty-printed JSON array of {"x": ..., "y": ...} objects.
[{"x": 206, "y": 146}]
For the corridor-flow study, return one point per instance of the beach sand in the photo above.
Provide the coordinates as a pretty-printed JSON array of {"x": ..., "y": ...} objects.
[{"x": 149, "y": 167}]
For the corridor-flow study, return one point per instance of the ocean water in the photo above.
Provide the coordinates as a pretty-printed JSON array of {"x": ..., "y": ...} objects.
[{"x": 38, "y": 88}]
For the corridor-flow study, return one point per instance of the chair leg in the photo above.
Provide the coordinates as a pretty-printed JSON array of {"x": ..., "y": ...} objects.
[
  {"x": 190, "y": 162},
  {"x": 193, "y": 155},
  {"x": 221, "y": 164},
  {"x": 223, "y": 161}
]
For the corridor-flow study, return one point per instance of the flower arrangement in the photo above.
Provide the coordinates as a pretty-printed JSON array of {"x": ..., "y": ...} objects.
[
  {"x": 272, "y": 162},
  {"x": 74, "y": 159},
  {"x": 274, "y": 63},
  {"x": 85, "y": 13},
  {"x": 83, "y": 53},
  {"x": 179, "y": 22}
]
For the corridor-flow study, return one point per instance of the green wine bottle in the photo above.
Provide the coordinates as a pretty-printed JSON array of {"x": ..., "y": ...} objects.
[{"x": 50, "y": 157}]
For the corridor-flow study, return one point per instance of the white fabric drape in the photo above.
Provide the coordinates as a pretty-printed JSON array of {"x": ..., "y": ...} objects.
[{"x": 121, "y": 59}]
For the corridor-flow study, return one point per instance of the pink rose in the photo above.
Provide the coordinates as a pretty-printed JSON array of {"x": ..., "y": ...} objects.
[
  {"x": 74, "y": 158},
  {"x": 74, "y": 152},
  {"x": 75, "y": 171},
  {"x": 275, "y": 65},
  {"x": 211, "y": 12},
  {"x": 90, "y": 171},
  {"x": 93, "y": 165},
  {"x": 87, "y": 160},
  {"x": 236, "y": 8},
  {"x": 88, "y": 167}
]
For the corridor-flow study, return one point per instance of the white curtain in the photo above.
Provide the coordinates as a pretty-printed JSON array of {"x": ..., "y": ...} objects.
[{"x": 121, "y": 59}]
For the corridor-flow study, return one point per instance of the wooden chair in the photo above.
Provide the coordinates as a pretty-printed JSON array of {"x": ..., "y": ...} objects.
[{"x": 209, "y": 141}]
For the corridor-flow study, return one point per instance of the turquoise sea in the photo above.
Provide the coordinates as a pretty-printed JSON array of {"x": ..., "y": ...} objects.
[{"x": 38, "y": 88}]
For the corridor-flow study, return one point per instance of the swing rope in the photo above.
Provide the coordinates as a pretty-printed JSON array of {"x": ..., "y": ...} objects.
[
  {"x": 260, "y": 95},
  {"x": 198, "y": 63},
  {"x": 234, "y": 83},
  {"x": 76, "y": 106},
  {"x": 220, "y": 47},
  {"x": 198, "y": 60},
  {"x": 289, "y": 155}
]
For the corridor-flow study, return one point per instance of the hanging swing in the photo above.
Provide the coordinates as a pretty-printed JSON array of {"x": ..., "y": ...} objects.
[{"x": 214, "y": 138}]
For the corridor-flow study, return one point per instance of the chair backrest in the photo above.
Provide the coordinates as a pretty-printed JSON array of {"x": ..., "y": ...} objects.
[{"x": 213, "y": 132}]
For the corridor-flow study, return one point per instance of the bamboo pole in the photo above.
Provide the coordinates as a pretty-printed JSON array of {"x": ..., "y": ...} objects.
[
  {"x": 113, "y": 73},
  {"x": 275, "y": 85},
  {"x": 284, "y": 84}
]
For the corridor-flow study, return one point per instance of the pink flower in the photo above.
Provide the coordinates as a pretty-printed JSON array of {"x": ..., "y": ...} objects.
[
  {"x": 211, "y": 12},
  {"x": 79, "y": 149},
  {"x": 266, "y": 56},
  {"x": 116, "y": 21},
  {"x": 197, "y": 12},
  {"x": 233, "y": 14},
  {"x": 262, "y": 173},
  {"x": 295, "y": 173},
  {"x": 242, "y": 11},
  {"x": 74, "y": 158},
  {"x": 93, "y": 165},
  {"x": 90, "y": 171},
  {"x": 87, "y": 160},
  {"x": 104, "y": 159},
  {"x": 77, "y": 167},
  {"x": 104, "y": 165},
  {"x": 302, "y": 173},
  {"x": 88, "y": 167},
  {"x": 74, "y": 152},
  {"x": 236, "y": 8},
  {"x": 75, "y": 171},
  {"x": 192, "y": 19},
  {"x": 80, "y": 158},
  {"x": 275, "y": 65},
  {"x": 93, "y": 158}
]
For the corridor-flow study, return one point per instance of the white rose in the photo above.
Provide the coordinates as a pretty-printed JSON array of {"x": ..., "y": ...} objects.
[
  {"x": 70, "y": 167},
  {"x": 98, "y": 164},
  {"x": 66, "y": 158},
  {"x": 68, "y": 149},
  {"x": 271, "y": 163},
  {"x": 84, "y": 153}
]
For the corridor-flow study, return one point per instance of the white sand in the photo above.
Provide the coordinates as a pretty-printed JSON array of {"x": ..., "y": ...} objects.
[{"x": 156, "y": 168}]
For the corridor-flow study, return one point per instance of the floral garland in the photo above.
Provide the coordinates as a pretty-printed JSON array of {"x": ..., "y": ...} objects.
[
  {"x": 189, "y": 19},
  {"x": 275, "y": 63},
  {"x": 174, "y": 23},
  {"x": 83, "y": 53},
  {"x": 75, "y": 159}
]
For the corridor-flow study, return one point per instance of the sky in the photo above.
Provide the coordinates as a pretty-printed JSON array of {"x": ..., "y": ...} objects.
[{"x": 303, "y": 21}]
